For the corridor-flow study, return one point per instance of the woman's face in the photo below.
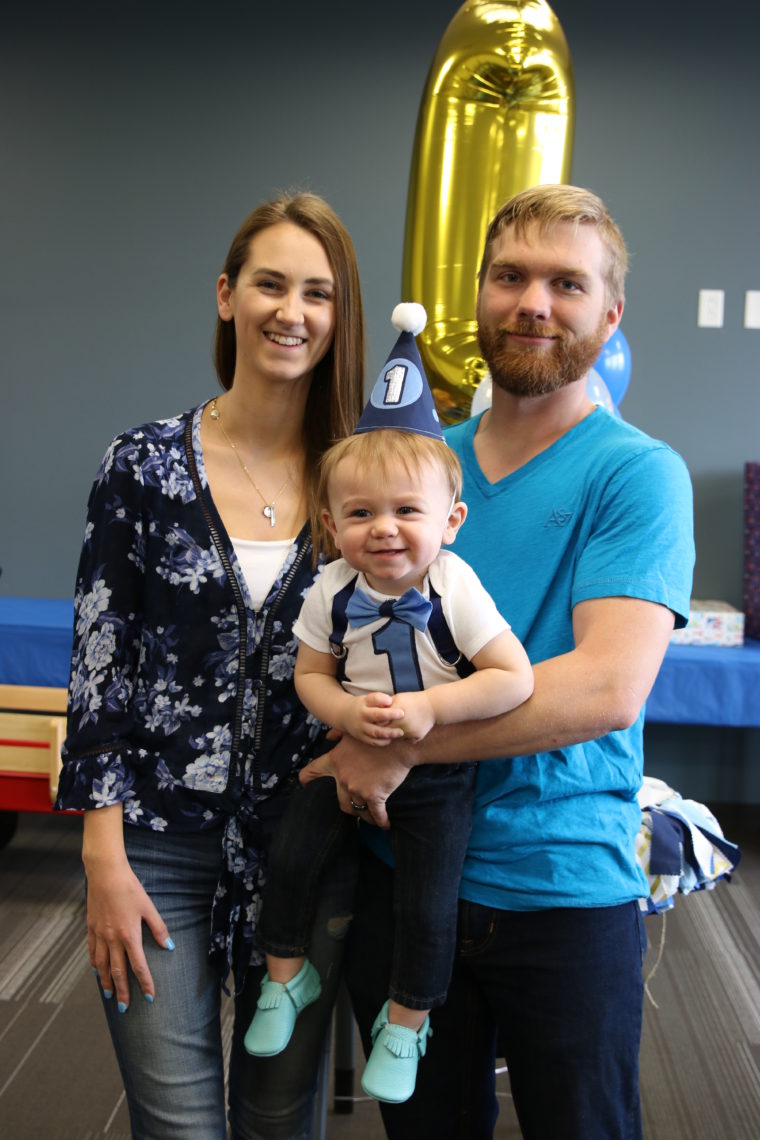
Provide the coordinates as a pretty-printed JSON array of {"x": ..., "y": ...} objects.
[{"x": 282, "y": 304}]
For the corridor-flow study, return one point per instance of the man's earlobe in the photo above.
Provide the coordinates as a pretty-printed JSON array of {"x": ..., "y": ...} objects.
[{"x": 614, "y": 316}]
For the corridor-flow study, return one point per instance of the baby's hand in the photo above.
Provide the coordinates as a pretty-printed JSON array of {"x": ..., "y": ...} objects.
[
  {"x": 372, "y": 719},
  {"x": 418, "y": 714}
]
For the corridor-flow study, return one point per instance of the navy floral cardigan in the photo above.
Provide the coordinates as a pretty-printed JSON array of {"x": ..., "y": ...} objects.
[{"x": 181, "y": 702}]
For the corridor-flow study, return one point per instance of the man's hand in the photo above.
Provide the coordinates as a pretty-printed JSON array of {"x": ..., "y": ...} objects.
[{"x": 364, "y": 774}]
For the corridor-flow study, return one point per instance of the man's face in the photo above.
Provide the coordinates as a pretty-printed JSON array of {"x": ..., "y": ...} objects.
[{"x": 543, "y": 312}]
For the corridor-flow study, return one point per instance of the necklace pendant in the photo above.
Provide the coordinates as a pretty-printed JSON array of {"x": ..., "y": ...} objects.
[{"x": 269, "y": 514}]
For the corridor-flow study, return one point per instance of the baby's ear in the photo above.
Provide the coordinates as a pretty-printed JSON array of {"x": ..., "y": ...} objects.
[
  {"x": 329, "y": 522},
  {"x": 457, "y": 515}
]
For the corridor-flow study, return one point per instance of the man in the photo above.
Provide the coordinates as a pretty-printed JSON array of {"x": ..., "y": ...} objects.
[{"x": 580, "y": 527}]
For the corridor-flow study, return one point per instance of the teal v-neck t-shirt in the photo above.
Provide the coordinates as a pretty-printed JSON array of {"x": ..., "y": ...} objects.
[{"x": 605, "y": 511}]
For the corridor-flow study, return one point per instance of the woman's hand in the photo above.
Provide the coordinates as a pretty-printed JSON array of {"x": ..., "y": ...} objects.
[{"x": 117, "y": 906}]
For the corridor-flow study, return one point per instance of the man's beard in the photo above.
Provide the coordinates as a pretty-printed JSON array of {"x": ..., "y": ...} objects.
[{"x": 526, "y": 370}]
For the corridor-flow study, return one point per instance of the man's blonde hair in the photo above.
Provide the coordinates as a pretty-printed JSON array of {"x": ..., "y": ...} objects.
[
  {"x": 548, "y": 205},
  {"x": 380, "y": 449}
]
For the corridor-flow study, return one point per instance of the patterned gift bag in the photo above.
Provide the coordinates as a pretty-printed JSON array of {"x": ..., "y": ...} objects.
[{"x": 752, "y": 550}]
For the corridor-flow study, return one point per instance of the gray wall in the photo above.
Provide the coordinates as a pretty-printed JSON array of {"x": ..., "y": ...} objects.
[{"x": 134, "y": 139}]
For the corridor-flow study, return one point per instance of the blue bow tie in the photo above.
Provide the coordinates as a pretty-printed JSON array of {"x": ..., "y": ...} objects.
[{"x": 411, "y": 608}]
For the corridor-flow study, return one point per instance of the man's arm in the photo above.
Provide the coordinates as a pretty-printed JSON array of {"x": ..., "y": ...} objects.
[
  {"x": 502, "y": 680},
  {"x": 596, "y": 688}
]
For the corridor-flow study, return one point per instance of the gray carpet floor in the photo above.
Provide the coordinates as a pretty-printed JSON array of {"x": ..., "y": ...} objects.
[{"x": 700, "y": 1058}]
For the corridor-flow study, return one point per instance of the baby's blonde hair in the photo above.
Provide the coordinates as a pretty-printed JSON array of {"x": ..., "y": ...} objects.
[{"x": 380, "y": 449}]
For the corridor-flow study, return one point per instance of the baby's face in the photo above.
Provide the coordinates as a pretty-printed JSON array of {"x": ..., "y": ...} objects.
[{"x": 391, "y": 526}]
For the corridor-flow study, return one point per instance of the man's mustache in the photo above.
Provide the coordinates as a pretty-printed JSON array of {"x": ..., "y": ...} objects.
[{"x": 529, "y": 328}]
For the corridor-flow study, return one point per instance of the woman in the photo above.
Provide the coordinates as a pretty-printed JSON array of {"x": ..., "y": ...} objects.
[{"x": 185, "y": 734}]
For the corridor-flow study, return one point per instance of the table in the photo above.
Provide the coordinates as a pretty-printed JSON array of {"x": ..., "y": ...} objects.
[
  {"x": 708, "y": 684},
  {"x": 35, "y": 641},
  {"x": 35, "y": 652}
]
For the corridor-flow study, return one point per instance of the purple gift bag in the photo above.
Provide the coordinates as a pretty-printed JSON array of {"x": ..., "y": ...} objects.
[{"x": 752, "y": 550}]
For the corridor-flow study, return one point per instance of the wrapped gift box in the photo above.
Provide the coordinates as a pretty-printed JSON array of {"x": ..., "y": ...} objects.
[{"x": 711, "y": 623}]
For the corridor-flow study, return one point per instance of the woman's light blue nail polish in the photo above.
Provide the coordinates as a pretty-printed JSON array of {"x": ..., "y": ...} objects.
[
  {"x": 169, "y": 944},
  {"x": 121, "y": 1007},
  {"x": 149, "y": 998},
  {"x": 108, "y": 994},
  {"x": 94, "y": 969}
]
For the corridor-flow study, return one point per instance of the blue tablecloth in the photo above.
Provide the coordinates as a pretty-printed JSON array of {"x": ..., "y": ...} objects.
[
  {"x": 697, "y": 684},
  {"x": 708, "y": 684},
  {"x": 35, "y": 641}
]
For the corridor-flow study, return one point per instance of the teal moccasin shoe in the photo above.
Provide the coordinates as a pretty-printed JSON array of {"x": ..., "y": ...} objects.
[
  {"x": 391, "y": 1070},
  {"x": 278, "y": 1007}
]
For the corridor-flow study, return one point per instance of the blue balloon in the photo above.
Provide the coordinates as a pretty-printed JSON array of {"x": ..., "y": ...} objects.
[{"x": 614, "y": 366}]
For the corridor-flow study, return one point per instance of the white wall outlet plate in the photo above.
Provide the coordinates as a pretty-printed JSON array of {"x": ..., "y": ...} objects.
[
  {"x": 710, "y": 309},
  {"x": 752, "y": 309}
]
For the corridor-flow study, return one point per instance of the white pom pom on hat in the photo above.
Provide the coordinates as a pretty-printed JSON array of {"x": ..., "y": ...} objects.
[
  {"x": 409, "y": 317},
  {"x": 401, "y": 397}
]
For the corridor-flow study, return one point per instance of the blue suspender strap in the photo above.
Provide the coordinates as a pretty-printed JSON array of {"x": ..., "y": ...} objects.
[
  {"x": 442, "y": 639},
  {"x": 339, "y": 625}
]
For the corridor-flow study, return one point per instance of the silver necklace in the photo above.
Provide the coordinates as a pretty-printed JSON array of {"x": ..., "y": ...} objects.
[{"x": 268, "y": 511}]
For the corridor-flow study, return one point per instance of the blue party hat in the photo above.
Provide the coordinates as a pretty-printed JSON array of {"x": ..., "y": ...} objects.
[{"x": 401, "y": 397}]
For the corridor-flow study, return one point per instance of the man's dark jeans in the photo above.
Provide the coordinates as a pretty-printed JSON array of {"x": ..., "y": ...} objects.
[{"x": 558, "y": 993}]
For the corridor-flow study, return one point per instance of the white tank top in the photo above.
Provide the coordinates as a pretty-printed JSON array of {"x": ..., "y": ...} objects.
[{"x": 260, "y": 562}]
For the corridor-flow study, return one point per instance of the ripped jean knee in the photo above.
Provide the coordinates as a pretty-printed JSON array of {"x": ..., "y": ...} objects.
[{"x": 312, "y": 861}]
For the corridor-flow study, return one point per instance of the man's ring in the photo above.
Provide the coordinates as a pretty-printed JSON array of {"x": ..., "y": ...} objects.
[{"x": 358, "y": 807}]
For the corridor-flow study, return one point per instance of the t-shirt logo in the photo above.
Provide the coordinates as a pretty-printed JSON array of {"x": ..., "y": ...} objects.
[{"x": 559, "y": 517}]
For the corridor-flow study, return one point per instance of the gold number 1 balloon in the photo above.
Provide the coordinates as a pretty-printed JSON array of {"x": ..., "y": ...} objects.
[{"x": 496, "y": 117}]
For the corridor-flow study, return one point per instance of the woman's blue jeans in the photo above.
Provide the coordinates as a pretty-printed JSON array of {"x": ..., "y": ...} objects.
[
  {"x": 558, "y": 993},
  {"x": 170, "y": 1052}
]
